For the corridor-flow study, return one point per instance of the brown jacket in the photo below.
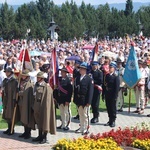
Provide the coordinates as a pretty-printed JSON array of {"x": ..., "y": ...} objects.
[
  {"x": 9, "y": 95},
  {"x": 44, "y": 111},
  {"x": 26, "y": 104}
]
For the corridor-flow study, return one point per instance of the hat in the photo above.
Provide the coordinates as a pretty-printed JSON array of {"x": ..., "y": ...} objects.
[
  {"x": 118, "y": 60},
  {"x": 83, "y": 65},
  {"x": 140, "y": 61},
  {"x": 25, "y": 72},
  {"x": 45, "y": 67},
  {"x": 64, "y": 69},
  {"x": 113, "y": 64},
  {"x": 40, "y": 75},
  {"x": 9, "y": 70},
  {"x": 94, "y": 63},
  {"x": 77, "y": 62}
]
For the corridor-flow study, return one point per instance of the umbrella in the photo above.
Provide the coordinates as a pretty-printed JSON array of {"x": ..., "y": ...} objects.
[
  {"x": 35, "y": 53},
  {"x": 73, "y": 58},
  {"x": 88, "y": 47},
  {"x": 109, "y": 54},
  {"x": 46, "y": 53}
]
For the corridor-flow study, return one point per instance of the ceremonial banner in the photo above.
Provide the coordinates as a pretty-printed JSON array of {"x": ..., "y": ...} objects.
[
  {"x": 53, "y": 75},
  {"x": 132, "y": 73},
  {"x": 94, "y": 54},
  {"x": 24, "y": 61}
]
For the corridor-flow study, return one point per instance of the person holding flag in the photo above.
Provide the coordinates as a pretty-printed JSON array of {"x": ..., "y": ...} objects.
[
  {"x": 97, "y": 76},
  {"x": 25, "y": 103},
  {"x": 9, "y": 99},
  {"x": 139, "y": 89}
]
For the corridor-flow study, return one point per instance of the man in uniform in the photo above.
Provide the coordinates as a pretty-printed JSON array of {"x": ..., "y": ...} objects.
[
  {"x": 97, "y": 76},
  {"x": 9, "y": 98},
  {"x": 26, "y": 101},
  {"x": 120, "y": 99},
  {"x": 76, "y": 73},
  {"x": 140, "y": 90},
  {"x": 112, "y": 84},
  {"x": 83, "y": 88},
  {"x": 44, "y": 112},
  {"x": 63, "y": 98}
]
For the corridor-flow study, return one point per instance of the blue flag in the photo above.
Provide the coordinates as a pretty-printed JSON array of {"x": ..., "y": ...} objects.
[{"x": 132, "y": 73}]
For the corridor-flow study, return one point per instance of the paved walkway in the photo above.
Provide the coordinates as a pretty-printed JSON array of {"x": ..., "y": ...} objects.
[{"x": 123, "y": 119}]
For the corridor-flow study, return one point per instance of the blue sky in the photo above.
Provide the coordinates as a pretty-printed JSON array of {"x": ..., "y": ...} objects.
[{"x": 93, "y": 2}]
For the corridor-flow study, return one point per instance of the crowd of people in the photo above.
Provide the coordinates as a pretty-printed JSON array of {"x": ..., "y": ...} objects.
[{"x": 81, "y": 80}]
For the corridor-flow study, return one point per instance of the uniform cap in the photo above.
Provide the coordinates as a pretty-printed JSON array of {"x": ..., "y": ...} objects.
[
  {"x": 94, "y": 63},
  {"x": 9, "y": 70},
  {"x": 25, "y": 72},
  {"x": 140, "y": 61},
  {"x": 77, "y": 62},
  {"x": 119, "y": 60},
  {"x": 113, "y": 64},
  {"x": 83, "y": 65},
  {"x": 64, "y": 69},
  {"x": 40, "y": 75}
]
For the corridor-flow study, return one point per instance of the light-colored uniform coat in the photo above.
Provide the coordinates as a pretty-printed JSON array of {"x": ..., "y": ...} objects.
[
  {"x": 44, "y": 111},
  {"x": 26, "y": 101}
]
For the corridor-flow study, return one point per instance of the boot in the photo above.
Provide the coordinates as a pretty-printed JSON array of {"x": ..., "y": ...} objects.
[
  {"x": 9, "y": 127},
  {"x": 37, "y": 139},
  {"x": 44, "y": 138},
  {"x": 8, "y": 130},
  {"x": 137, "y": 110},
  {"x": 28, "y": 133},
  {"x": 24, "y": 134}
]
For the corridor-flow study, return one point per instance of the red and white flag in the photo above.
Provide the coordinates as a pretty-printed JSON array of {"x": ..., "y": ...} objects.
[
  {"x": 24, "y": 61},
  {"x": 53, "y": 75}
]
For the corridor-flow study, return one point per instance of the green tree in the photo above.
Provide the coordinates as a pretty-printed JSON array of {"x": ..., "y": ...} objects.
[
  {"x": 7, "y": 24},
  {"x": 129, "y": 8}
]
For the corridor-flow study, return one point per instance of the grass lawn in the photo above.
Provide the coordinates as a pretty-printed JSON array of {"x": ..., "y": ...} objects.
[{"x": 102, "y": 108}]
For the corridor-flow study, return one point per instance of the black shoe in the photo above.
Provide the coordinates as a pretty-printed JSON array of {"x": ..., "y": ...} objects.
[
  {"x": 43, "y": 141},
  {"x": 60, "y": 127},
  {"x": 9, "y": 133},
  {"x": 85, "y": 133},
  {"x": 22, "y": 135},
  {"x": 112, "y": 124},
  {"x": 148, "y": 115},
  {"x": 66, "y": 128},
  {"x": 76, "y": 117},
  {"x": 6, "y": 132},
  {"x": 27, "y": 136},
  {"x": 39, "y": 138},
  {"x": 120, "y": 110},
  {"x": 78, "y": 131},
  {"x": 94, "y": 120},
  {"x": 107, "y": 124}
]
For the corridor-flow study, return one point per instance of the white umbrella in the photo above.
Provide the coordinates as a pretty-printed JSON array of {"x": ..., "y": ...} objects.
[{"x": 109, "y": 54}]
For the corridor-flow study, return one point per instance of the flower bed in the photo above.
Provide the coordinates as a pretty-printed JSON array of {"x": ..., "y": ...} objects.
[{"x": 138, "y": 137}]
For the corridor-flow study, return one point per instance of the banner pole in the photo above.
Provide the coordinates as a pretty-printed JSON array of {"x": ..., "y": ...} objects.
[{"x": 129, "y": 100}]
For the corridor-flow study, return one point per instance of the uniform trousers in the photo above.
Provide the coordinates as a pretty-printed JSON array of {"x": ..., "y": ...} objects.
[
  {"x": 140, "y": 97},
  {"x": 65, "y": 114},
  {"x": 120, "y": 100},
  {"x": 84, "y": 114}
]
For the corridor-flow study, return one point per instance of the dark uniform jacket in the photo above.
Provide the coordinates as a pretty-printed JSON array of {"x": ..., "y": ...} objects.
[
  {"x": 97, "y": 76},
  {"x": 83, "y": 91},
  {"x": 64, "y": 91},
  {"x": 112, "y": 84},
  {"x": 75, "y": 73}
]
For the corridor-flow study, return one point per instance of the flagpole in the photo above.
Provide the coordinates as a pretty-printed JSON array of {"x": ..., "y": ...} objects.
[
  {"x": 17, "y": 94},
  {"x": 129, "y": 100}
]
